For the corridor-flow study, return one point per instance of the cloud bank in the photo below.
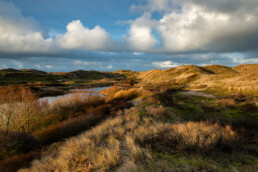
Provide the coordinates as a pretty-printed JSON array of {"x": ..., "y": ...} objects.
[
  {"x": 185, "y": 26},
  {"x": 205, "y": 25},
  {"x": 197, "y": 32}
]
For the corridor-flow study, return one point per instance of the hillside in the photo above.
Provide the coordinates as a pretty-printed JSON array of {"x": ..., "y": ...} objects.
[
  {"x": 242, "y": 79},
  {"x": 158, "y": 131},
  {"x": 154, "y": 124},
  {"x": 180, "y": 75},
  {"x": 23, "y": 76},
  {"x": 213, "y": 78},
  {"x": 219, "y": 69}
]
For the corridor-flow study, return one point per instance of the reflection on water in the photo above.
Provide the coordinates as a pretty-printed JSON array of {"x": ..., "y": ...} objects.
[
  {"x": 84, "y": 92},
  {"x": 90, "y": 89}
]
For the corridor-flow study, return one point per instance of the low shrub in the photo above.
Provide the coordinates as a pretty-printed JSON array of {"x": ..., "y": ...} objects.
[
  {"x": 48, "y": 120},
  {"x": 67, "y": 128},
  {"x": 249, "y": 107},
  {"x": 12, "y": 143},
  {"x": 16, "y": 162}
]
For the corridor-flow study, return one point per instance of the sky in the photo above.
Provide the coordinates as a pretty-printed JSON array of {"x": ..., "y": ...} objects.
[{"x": 108, "y": 35}]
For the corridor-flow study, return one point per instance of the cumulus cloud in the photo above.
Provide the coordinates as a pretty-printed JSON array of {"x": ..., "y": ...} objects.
[
  {"x": 19, "y": 33},
  {"x": 80, "y": 37},
  {"x": 140, "y": 34},
  {"x": 206, "y": 25}
]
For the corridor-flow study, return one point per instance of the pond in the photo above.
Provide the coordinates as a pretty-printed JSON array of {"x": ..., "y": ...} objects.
[{"x": 84, "y": 92}]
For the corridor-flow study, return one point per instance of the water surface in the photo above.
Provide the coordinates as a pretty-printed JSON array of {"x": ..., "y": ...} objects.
[{"x": 84, "y": 92}]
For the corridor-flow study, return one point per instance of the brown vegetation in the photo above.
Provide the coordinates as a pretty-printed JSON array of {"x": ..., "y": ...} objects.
[
  {"x": 147, "y": 137},
  {"x": 19, "y": 109}
]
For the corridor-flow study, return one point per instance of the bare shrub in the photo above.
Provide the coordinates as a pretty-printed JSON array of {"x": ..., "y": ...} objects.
[{"x": 19, "y": 109}]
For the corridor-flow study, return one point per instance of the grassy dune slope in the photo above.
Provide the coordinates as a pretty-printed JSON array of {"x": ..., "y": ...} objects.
[
  {"x": 165, "y": 132},
  {"x": 130, "y": 129},
  {"x": 218, "y": 79}
]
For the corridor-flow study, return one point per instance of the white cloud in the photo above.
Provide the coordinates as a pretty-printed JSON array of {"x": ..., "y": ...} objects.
[
  {"x": 49, "y": 66},
  {"x": 153, "y": 5},
  {"x": 109, "y": 67},
  {"x": 137, "y": 53},
  {"x": 19, "y": 33},
  {"x": 166, "y": 64},
  {"x": 140, "y": 34},
  {"x": 82, "y": 63},
  {"x": 199, "y": 28},
  {"x": 205, "y": 25},
  {"x": 80, "y": 37},
  {"x": 243, "y": 61}
]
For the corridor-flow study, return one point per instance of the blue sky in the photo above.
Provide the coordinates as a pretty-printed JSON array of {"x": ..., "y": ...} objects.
[
  {"x": 66, "y": 35},
  {"x": 56, "y": 14}
]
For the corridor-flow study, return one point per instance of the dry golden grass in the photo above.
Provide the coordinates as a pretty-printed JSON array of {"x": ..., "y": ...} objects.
[
  {"x": 218, "y": 79},
  {"x": 136, "y": 152},
  {"x": 77, "y": 99},
  {"x": 97, "y": 149},
  {"x": 131, "y": 93},
  {"x": 203, "y": 135},
  {"x": 75, "y": 105},
  {"x": 226, "y": 102},
  {"x": 127, "y": 142},
  {"x": 127, "y": 94},
  {"x": 109, "y": 92},
  {"x": 197, "y": 136}
]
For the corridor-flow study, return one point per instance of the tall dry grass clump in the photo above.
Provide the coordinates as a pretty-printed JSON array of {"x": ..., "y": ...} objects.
[
  {"x": 75, "y": 103},
  {"x": 131, "y": 93},
  {"x": 109, "y": 92},
  {"x": 205, "y": 136},
  {"x": 19, "y": 109},
  {"x": 197, "y": 136}
]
